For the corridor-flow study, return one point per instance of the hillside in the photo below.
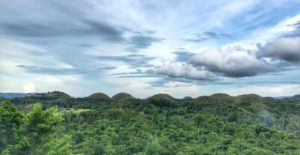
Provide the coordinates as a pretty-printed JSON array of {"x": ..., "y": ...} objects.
[{"x": 56, "y": 123}]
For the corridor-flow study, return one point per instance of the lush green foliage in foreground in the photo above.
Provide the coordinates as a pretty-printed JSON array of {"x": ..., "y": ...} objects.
[{"x": 98, "y": 124}]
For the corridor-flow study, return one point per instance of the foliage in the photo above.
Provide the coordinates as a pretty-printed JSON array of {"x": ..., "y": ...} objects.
[{"x": 217, "y": 124}]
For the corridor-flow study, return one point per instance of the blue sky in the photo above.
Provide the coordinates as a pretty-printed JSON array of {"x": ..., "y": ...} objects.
[{"x": 184, "y": 48}]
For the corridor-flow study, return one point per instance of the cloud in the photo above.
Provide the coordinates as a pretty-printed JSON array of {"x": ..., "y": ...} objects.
[
  {"x": 60, "y": 19},
  {"x": 15, "y": 52},
  {"x": 158, "y": 83},
  {"x": 134, "y": 60},
  {"x": 183, "y": 56},
  {"x": 286, "y": 48},
  {"x": 29, "y": 30},
  {"x": 266, "y": 90},
  {"x": 59, "y": 39},
  {"x": 138, "y": 73},
  {"x": 82, "y": 27},
  {"x": 297, "y": 25},
  {"x": 187, "y": 71},
  {"x": 168, "y": 83},
  {"x": 208, "y": 35},
  {"x": 141, "y": 42},
  {"x": 105, "y": 30},
  {"x": 232, "y": 62},
  {"x": 60, "y": 71}
]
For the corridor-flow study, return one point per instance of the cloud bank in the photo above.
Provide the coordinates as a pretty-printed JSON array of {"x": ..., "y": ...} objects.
[{"x": 140, "y": 47}]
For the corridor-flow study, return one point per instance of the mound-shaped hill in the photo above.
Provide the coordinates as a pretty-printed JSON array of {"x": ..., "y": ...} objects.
[
  {"x": 297, "y": 96},
  {"x": 293, "y": 98},
  {"x": 187, "y": 98},
  {"x": 99, "y": 96},
  {"x": 121, "y": 96},
  {"x": 13, "y": 95},
  {"x": 251, "y": 102},
  {"x": 222, "y": 97},
  {"x": 203, "y": 101},
  {"x": 162, "y": 100},
  {"x": 51, "y": 95},
  {"x": 57, "y": 94},
  {"x": 249, "y": 99},
  {"x": 270, "y": 100},
  {"x": 219, "y": 98}
]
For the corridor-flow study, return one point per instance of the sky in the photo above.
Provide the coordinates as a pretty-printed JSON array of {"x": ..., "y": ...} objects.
[{"x": 183, "y": 48}]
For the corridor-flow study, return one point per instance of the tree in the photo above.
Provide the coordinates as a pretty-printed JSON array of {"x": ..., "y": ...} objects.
[
  {"x": 11, "y": 120},
  {"x": 39, "y": 126},
  {"x": 42, "y": 121},
  {"x": 59, "y": 146}
]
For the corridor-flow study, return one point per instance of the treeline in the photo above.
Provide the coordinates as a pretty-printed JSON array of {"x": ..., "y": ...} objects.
[{"x": 55, "y": 123}]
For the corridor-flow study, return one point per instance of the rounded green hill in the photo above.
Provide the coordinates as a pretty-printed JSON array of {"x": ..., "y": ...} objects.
[
  {"x": 99, "y": 96},
  {"x": 121, "y": 96},
  {"x": 162, "y": 100}
]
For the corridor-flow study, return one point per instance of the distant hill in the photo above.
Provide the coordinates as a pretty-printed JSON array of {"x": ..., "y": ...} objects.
[
  {"x": 99, "y": 96},
  {"x": 121, "y": 96},
  {"x": 162, "y": 100},
  {"x": 13, "y": 95}
]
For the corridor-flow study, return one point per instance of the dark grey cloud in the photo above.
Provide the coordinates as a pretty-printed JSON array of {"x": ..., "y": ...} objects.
[
  {"x": 137, "y": 42},
  {"x": 81, "y": 28},
  {"x": 62, "y": 19},
  {"x": 183, "y": 56},
  {"x": 29, "y": 30},
  {"x": 103, "y": 30},
  {"x": 296, "y": 25},
  {"x": 61, "y": 71},
  {"x": 285, "y": 48},
  {"x": 208, "y": 35},
  {"x": 134, "y": 60}
]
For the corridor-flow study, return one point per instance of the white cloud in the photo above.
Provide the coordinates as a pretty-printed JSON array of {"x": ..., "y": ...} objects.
[
  {"x": 181, "y": 70},
  {"x": 232, "y": 62}
]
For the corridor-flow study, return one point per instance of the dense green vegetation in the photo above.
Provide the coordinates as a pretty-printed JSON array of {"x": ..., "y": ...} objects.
[{"x": 57, "y": 124}]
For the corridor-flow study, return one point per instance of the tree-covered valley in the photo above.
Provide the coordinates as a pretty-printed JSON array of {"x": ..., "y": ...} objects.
[{"x": 55, "y": 123}]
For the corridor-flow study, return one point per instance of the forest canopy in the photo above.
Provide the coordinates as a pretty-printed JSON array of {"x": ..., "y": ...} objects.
[{"x": 56, "y": 123}]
